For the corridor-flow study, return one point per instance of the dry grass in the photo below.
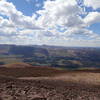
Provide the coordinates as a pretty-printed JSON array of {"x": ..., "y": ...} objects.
[
  {"x": 26, "y": 71},
  {"x": 81, "y": 77}
]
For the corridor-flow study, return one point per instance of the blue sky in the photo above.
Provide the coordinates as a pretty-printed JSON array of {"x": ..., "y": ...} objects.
[
  {"x": 95, "y": 27},
  {"x": 51, "y": 22},
  {"x": 28, "y": 7}
]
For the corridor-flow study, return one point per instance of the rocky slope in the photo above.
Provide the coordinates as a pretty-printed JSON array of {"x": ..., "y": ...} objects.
[{"x": 68, "y": 85}]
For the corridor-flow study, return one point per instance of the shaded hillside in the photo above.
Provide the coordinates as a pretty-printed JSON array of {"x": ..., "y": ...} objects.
[{"x": 26, "y": 70}]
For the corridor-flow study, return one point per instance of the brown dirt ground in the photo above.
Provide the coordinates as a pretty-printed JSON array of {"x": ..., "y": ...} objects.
[{"x": 49, "y": 84}]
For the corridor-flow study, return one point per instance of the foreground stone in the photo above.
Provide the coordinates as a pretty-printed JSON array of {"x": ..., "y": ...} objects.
[{"x": 11, "y": 89}]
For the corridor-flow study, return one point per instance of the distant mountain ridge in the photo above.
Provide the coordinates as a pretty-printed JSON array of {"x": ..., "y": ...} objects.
[{"x": 55, "y": 56}]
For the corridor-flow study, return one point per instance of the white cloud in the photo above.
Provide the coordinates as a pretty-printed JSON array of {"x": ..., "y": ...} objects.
[
  {"x": 17, "y": 17},
  {"x": 5, "y": 22},
  {"x": 95, "y": 4},
  {"x": 60, "y": 13},
  {"x": 59, "y": 22},
  {"x": 92, "y": 17}
]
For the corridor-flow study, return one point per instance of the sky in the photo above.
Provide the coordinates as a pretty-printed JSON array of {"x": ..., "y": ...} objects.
[{"x": 50, "y": 22}]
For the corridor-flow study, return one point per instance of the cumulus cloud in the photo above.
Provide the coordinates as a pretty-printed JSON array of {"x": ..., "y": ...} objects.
[
  {"x": 92, "y": 18},
  {"x": 60, "y": 13},
  {"x": 58, "y": 22},
  {"x": 17, "y": 17},
  {"x": 95, "y": 4}
]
